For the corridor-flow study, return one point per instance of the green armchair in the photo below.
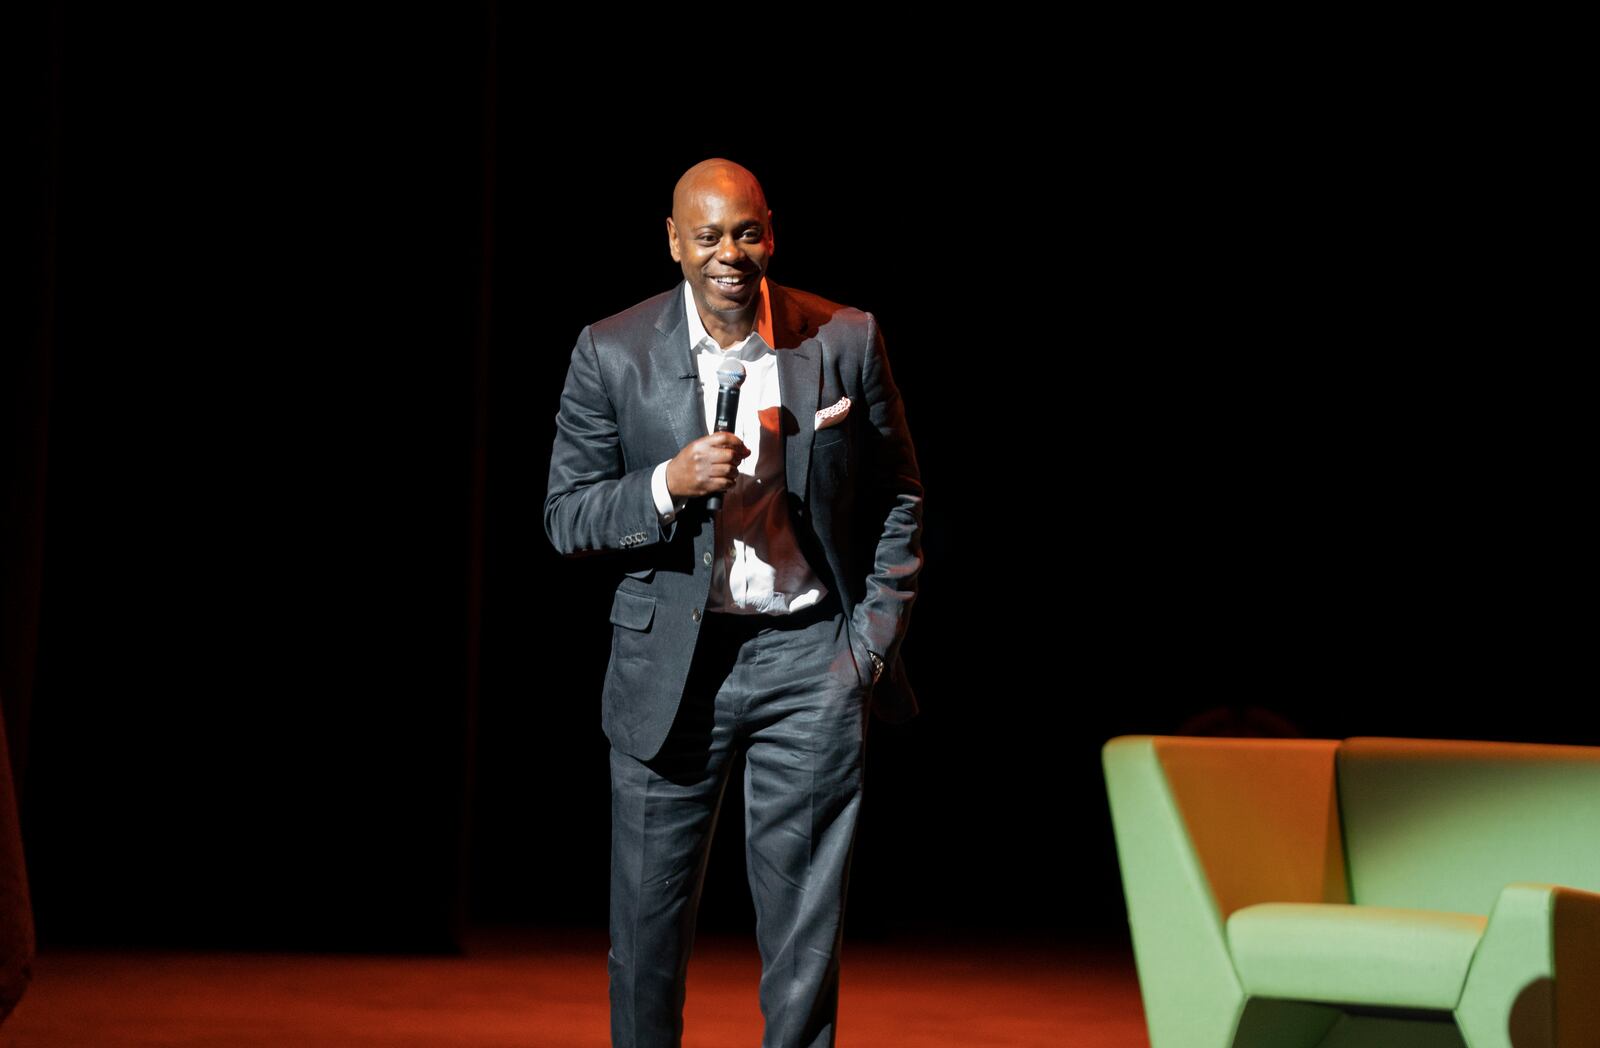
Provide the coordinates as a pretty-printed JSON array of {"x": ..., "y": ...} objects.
[{"x": 1370, "y": 893}]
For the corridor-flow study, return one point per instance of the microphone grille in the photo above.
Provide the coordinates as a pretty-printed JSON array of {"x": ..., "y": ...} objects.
[{"x": 730, "y": 373}]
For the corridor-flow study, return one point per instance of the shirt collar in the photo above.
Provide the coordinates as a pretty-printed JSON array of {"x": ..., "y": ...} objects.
[{"x": 760, "y": 341}]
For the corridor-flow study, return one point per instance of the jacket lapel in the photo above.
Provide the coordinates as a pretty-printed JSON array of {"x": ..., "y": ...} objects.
[
  {"x": 680, "y": 379},
  {"x": 799, "y": 386}
]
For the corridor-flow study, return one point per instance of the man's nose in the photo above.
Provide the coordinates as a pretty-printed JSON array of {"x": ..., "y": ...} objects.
[{"x": 729, "y": 251}]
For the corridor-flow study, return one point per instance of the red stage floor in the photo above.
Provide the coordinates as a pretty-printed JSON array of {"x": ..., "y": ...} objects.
[{"x": 548, "y": 990}]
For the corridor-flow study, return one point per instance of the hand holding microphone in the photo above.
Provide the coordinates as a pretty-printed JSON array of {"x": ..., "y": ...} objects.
[
  {"x": 710, "y": 465},
  {"x": 730, "y": 376}
]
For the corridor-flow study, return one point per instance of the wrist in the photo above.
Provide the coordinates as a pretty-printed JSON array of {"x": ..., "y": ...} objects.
[{"x": 668, "y": 505}]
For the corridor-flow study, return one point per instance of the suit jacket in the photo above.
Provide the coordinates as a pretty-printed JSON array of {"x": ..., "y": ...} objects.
[{"x": 632, "y": 400}]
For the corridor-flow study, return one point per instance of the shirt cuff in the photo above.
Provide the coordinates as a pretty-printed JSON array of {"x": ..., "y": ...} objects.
[{"x": 665, "y": 507}]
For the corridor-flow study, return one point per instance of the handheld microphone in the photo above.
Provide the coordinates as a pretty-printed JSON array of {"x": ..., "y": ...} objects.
[{"x": 730, "y": 376}]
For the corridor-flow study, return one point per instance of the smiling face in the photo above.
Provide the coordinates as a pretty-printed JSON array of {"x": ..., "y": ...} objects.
[{"x": 720, "y": 234}]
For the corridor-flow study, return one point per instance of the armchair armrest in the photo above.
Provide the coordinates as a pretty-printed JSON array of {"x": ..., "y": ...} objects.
[{"x": 1535, "y": 978}]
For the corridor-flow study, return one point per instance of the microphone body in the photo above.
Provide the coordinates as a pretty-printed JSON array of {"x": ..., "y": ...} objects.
[
  {"x": 730, "y": 376},
  {"x": 727, "y": 409}
]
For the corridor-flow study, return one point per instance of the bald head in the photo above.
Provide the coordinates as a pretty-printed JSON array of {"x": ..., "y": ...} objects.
[{"x": 714, "y": 175}]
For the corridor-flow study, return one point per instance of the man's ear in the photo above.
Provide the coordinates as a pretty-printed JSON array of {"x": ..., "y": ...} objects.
[
  {"x": 672, "y": 241},
  {"x": 772, "y": 239}
]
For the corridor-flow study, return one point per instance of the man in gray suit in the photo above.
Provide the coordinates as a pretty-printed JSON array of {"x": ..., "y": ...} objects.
[{"x": 767, "y": 628}]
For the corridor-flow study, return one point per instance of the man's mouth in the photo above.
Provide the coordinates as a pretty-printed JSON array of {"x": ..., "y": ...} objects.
[{"x": 730, "y": 283}]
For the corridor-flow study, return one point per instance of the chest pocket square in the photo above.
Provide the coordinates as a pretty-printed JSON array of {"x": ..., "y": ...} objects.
[{"x": 832, "y": 416}]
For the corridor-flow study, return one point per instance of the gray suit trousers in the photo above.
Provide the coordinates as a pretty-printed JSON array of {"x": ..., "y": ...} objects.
[{"x": 786, "y": 692}]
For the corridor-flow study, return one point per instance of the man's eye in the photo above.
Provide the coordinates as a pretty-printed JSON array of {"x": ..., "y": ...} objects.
[{"x": 707, "y": 239}]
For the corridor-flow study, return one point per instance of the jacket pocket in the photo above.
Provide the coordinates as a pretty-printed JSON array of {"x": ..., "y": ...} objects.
[
  {"x": 858, "y": 654},
  {"x": 632, "y": 610}
]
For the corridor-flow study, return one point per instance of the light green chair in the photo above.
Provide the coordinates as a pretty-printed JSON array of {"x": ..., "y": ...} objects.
[{"x": 1370, "y": 893}]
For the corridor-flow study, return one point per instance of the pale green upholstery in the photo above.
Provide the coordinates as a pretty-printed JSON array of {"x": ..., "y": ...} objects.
[
  {"x": 1335, "y": 952},
  {"x": 1382, "y": 893}
]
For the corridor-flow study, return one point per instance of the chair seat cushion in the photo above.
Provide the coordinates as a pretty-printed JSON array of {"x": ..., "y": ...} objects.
[{"x": 1353, "y": 954}]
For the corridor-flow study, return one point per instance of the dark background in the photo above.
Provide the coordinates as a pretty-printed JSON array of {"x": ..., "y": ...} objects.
[{"x": 290, "y": 662}]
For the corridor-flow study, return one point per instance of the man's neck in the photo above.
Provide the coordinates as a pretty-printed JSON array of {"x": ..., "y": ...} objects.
[{"x": 729, "y": 333}]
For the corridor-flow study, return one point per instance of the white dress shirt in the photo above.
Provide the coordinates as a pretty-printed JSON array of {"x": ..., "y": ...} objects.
[{"x": 758, "y": 568}]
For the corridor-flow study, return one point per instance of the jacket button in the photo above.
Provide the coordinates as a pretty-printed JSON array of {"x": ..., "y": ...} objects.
[
  {"x": 706, "y": 557},
  {"x": 695, "y": 614}
]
